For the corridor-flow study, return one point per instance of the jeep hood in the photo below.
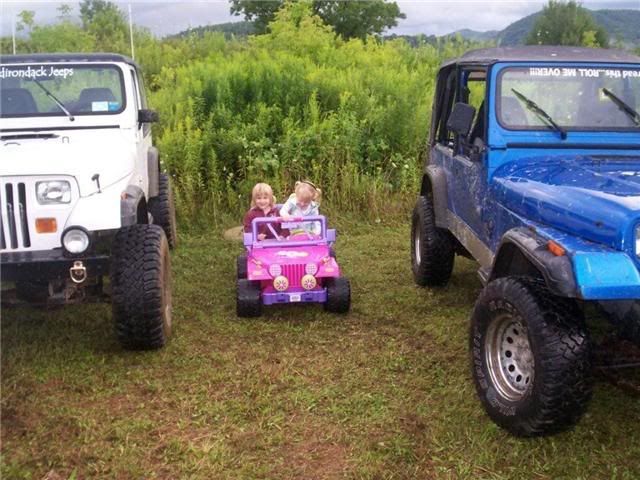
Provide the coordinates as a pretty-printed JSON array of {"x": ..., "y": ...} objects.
[
  {"x": 594, "y": 197},
  {"x": 82, "y": 156}
]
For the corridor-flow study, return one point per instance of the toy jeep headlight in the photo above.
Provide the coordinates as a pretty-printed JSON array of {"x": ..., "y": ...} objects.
[
  {"x": 311, "y": 268},
  {"x": 75, "y": 240},
  {"x": 53, "y": 192},
  {"x": 638, "y": 241},
  {"x": 275, "y": 270}
]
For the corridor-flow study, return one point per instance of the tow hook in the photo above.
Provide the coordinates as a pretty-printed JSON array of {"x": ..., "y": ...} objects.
[{"x": 78, "y": 272}]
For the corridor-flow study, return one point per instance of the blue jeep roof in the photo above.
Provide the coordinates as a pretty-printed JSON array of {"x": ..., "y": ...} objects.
[{"x": 543, "y": 53}]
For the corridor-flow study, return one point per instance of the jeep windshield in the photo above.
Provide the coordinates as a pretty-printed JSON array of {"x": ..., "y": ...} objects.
[
  {"x": 576, "y": 98},
  {"x": 48, "y": 90}
]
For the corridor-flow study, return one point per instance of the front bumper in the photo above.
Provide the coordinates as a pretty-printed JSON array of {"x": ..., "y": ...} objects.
[
  {"x": 47, "y": 265},
  {"x": 303, "y": 296}
]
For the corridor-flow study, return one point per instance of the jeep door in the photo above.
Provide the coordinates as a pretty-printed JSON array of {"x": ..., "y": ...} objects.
[
  {"x": 143, "y": 132},
  {"x": 464, "y": 161}
]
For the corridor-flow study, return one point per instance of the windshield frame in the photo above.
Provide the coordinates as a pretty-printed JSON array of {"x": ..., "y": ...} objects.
[
  {"x": 79, "y": 65},
  {"x": 506, "y": 68}
]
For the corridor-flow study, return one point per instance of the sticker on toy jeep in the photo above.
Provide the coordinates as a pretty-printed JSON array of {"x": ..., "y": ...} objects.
[
  {"x": 292, "y": 253},
  {"x": 35, "y": 72}
]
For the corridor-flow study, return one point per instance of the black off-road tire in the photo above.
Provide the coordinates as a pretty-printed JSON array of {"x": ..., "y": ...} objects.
[
  {"x": 163, "y": 210},
  {"x": 625, "y": 316},
  {"x": 530, "y": 357},
  {"x": 432, "y": 248},
  {"x": 36, "y": 293},
  {"x": 141, "y": 287},
  {"x": 248, "y": 298},
  {"x": 241, "y": 266},
  {"x": 338, "y": 295}
]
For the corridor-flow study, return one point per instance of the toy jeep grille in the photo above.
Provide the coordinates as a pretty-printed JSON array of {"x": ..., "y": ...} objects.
[
  {"x": 14, "y": 231},
  {"x": 294, "y": 273}
]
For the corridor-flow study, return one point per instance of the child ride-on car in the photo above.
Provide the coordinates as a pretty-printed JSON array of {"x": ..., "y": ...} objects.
[{"x": 299, "y": 268}]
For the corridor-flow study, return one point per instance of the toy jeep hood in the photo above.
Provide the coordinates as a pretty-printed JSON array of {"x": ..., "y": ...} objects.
[
  {"x": 78, "y": 155},
  {"x": 596, "y": 197}
]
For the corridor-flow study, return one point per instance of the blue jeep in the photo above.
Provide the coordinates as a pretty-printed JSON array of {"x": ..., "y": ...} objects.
[{"x": 534, "y": 172}]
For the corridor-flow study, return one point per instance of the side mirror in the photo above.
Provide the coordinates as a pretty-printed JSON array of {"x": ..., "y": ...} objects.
[
  {"x": 461, "y": 119},
  {"x": 147, "y": 116}
]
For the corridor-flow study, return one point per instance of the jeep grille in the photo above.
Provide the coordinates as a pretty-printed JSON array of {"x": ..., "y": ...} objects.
[
  {"x": 294, "y": 273},
  {"x": 13, "y": 216}
]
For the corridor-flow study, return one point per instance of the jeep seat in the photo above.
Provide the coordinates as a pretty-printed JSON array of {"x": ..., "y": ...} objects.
[
  {"x": 16, "y": 101},
  {"x": 90, "y": 95}
]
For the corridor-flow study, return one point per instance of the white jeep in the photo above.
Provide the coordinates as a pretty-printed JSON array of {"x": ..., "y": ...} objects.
[{"x": 81, "y": 192}]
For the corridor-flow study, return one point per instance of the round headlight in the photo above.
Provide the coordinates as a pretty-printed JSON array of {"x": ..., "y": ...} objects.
[
  {"x": 275, "y": 270},
  {"x": 281, "y": 283},
  {"x": 75, "y": 241},
  {"x": 311, "y": 268},
  {"x": 308, "y": 282}
]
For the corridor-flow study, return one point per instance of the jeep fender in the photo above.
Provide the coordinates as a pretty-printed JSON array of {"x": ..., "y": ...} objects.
[
  {"x": 133, "y": 206},
  {"x": 522, "y": 252},
  {"x": 434, "y": 184},
  {"x": 153, "y": 169}
]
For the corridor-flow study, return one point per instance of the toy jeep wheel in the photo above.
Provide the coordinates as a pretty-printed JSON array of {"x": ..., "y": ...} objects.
[
  {"x": 163, "y": 210},
  {"x": 432, "y": 250},
  {"x": 141, "y": 287},
  {"x": 248, "y": 302},
  {"x": 338, "y": 295},
  {"x": 530, "y": 357},
  {"x": 241, "y": 266}
]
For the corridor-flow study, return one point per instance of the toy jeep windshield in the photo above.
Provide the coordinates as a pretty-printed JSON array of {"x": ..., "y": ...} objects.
[
  {"x": 81, "y": 193},
  {"x": 294, "y": 263},
  {"x": 534, "y": 172}
]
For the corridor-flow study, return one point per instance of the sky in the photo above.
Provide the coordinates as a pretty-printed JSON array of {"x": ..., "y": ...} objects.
[{"x": 431, "y": 17}]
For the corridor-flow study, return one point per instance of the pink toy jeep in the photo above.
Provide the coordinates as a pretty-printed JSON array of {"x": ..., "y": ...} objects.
[{"x": 298, "y": 268}]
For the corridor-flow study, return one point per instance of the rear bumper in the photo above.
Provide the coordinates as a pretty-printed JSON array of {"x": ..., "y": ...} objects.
[
  {"x": 304, "y": 296},
  {"x": 47, "y": 265}
]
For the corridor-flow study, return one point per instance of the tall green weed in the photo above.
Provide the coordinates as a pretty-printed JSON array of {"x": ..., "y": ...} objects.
[{"x": 298, "y": 102}]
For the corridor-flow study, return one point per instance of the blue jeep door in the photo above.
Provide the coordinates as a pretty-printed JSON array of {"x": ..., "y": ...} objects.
[{"x": 467, "y": 165}]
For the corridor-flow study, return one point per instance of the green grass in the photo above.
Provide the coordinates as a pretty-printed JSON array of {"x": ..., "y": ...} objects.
[{"x": 381, "y": 393}]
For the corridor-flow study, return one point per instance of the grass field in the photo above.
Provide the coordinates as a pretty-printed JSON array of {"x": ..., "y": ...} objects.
[{"x": 381, "y": 393}]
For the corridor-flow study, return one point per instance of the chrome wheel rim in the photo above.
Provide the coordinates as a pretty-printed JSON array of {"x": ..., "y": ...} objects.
[
  {"x": 416, "y": 245},
  {"x": 509, "y": 357}
]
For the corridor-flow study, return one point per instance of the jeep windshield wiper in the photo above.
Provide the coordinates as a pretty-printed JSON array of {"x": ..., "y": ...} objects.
[
  {"x": 631, "y": 113},
  {"x": 53, "y": 97},
  {"x": 535, "y": 108}
]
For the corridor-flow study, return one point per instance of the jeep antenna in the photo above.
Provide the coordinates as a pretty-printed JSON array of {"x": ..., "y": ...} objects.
[
  {"x": 133, "y": 53},
  {"x": 13, "y": 33}
]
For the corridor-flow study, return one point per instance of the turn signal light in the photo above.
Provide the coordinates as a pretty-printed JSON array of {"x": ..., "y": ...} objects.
[
  {"x": 46, "y": 225},
  {"x": 555, "y": 248}
]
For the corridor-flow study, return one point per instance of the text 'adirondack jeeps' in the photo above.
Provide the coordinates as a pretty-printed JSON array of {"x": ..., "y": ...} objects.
[
  {"x": 81, "y": 193},
  {"x": 534, "y": 171}
]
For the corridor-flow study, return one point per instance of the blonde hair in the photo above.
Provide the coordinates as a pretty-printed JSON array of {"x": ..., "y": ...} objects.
[
  {"x": 307, "y": 191},
  {"x": 262, "y": 189}
]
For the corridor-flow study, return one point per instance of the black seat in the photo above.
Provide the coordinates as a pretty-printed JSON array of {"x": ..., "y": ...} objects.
[
  {"x": 15, "y": 101},
  {"x": 512, "y": 113},
  {"x": 90, "y": 95},
  {"x": 478, "y": 128}
]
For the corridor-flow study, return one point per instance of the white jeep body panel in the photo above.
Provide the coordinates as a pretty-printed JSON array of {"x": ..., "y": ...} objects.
[{"x": 101, "y": 156}]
